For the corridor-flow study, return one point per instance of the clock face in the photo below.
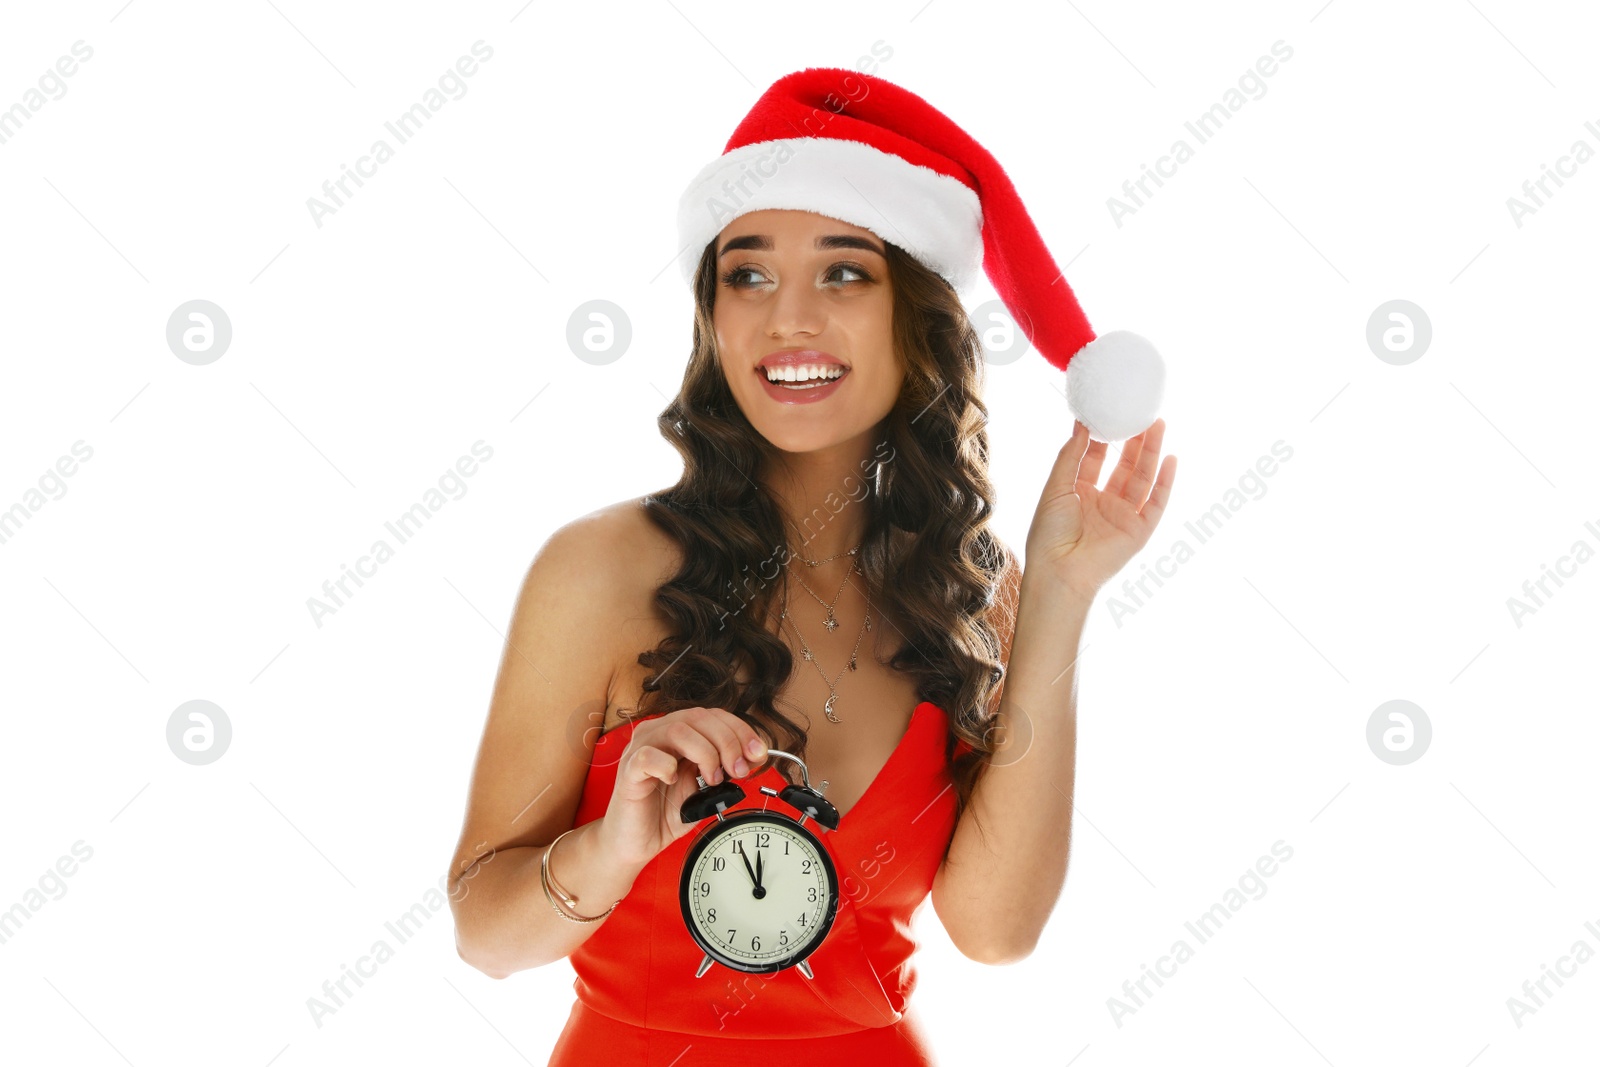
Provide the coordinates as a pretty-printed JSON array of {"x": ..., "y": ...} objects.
[{"x": 758, "y": 892}]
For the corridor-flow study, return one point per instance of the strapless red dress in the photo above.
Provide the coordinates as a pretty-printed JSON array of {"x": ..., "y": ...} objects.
[{"x": 639, "y": 1002}]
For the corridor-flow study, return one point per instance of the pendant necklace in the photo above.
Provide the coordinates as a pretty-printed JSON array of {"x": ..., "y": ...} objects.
[
  {"x": 830, "y": 622},
  {"x": 805, "y": 650}
]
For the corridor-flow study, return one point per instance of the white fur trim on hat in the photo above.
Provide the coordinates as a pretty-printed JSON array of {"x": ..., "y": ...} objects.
[{"x": 931, "y": 215}]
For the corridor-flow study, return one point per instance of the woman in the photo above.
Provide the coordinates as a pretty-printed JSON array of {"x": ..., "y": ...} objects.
[{"x": 822, "y": 580}]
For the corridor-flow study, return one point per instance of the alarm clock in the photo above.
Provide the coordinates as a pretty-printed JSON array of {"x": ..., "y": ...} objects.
[{"x": 759, "y": 890}]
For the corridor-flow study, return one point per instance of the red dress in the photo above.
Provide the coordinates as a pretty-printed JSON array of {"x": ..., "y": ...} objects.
[{"x": 639, "y": 1002}]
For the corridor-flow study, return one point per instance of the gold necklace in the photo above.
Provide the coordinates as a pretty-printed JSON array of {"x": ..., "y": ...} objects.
[
  {"x": 830, "y": 622},
  {"x": 820, "y": 562},
  {"x": 805, "y": 650}
]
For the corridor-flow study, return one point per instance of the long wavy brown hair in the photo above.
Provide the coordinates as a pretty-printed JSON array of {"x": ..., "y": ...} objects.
[{"x": 931, "y": 565}]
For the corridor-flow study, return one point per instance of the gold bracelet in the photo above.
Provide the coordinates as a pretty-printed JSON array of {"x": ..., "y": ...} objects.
[
  {"x": 545, "y": 878},
  {"x": 550, "y": 876}
]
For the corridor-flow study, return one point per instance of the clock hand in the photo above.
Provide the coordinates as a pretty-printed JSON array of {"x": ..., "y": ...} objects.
[
  {"x": 754, "y": 878},
  {"x": 758, "y": 870}
]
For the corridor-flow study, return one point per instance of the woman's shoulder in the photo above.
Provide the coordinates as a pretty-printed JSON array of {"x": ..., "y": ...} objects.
[
  {"x": 605, "y": 565},
  {"x": 616, "y": 558},
  {"x": 620, "y": 542}
]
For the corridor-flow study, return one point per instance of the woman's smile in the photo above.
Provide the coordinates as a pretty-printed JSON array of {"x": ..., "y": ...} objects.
[
  {"x": 801, "y": 376},
  {"x": 796, "y": 392}
]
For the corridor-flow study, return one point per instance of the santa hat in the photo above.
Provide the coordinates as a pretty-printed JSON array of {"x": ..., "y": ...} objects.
[{"x": 865, "y": 151}]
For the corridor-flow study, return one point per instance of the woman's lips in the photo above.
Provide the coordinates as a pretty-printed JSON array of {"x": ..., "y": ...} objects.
[{"x": 810, "y": 394}]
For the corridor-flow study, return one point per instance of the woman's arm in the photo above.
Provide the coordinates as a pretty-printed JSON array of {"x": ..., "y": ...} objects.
[
  {"x": 546, "y": 710},
  {"x": 995, "y": 890},
  {"x": 504, "y": 924}
]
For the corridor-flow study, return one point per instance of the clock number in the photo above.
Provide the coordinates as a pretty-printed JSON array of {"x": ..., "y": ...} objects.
[
  {"x": 755, "y": 944},
  {"x": 718, "y": 863},
  {"x": 811, "y": 894},
  {"x": 730, "y": 936},
  {"x": 805, "y": 866},
  {"x": 705, "y": 889},
  {"x": 786, "y": 848},
  {"x": 783, "y": 937},
  {"x": 762, "y": 839},
  {"x": 711, "y": 915},
  {"x": 802, "y": 918}
]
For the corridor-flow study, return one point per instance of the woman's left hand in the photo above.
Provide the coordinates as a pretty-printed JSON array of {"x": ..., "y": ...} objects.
[{"x": 1083, "y": 535}]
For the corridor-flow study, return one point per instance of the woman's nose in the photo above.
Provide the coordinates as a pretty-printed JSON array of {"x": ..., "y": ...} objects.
[{"x": 795, "y": 309}]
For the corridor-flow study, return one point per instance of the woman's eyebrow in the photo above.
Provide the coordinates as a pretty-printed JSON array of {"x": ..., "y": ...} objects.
[
  {"x": 763, "y": 243},
  {"x": 753, "y": 241},
  {"x": 845, "y": 240}
]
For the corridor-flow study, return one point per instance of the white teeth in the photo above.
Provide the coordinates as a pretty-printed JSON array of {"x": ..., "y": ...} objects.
[{"x": 822, "y": 371}]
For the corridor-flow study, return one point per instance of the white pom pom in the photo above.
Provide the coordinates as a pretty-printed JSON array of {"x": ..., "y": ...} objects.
[{"x": 1114, "y": 385}]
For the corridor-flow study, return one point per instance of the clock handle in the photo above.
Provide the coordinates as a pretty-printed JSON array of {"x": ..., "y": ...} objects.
[{"x": 805, "y": 775}]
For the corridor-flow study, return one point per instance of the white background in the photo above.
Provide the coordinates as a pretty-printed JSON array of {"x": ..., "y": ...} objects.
[{"x": 1226, "y": 713}]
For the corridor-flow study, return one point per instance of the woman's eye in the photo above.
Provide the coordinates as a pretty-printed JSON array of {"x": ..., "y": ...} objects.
[
  {"x": 736, "y": 277},
  {"x": 838, "y": 274}
]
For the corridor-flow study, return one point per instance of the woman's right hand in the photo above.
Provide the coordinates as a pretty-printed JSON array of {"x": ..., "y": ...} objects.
[{"x": 669, "y": 750}]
